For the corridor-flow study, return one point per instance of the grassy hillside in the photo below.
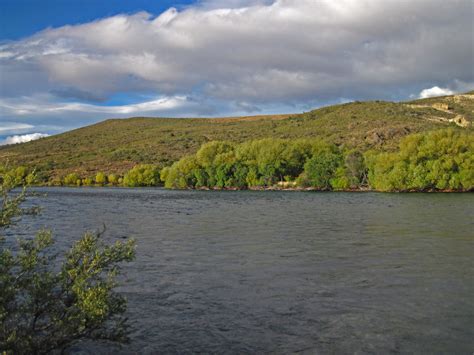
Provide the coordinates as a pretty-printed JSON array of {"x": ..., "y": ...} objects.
[{"x": 116, "y": 145}]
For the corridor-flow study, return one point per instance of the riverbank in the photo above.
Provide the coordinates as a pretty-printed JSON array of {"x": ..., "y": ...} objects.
[
  {"x": 258, "y": 188},
  {"x": 314, "y": 189}
]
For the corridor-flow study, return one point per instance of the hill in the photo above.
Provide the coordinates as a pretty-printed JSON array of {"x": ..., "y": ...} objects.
[{"x": 116, "y": 145}]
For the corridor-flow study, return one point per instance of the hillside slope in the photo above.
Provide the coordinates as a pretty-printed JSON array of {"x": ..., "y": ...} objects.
[{"x": 116, "y": 145}]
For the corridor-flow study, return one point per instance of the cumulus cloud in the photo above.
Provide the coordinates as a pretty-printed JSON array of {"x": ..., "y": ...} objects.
[
  {"x": 456, "y": 87},
  {"x": 22, "y": 138},
  {"x": 435, "y": 91},
  {"x": 260, "y": 53}
]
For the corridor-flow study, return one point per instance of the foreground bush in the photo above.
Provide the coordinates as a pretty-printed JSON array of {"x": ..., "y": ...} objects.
[
  {"x": 42, "y": 308},
  {"x": 50, "y": 301},
  {"x": 16, "y": 176}
]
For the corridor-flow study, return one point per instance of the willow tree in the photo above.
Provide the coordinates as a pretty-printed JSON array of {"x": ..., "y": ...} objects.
[{"x": 49, "y": 302}]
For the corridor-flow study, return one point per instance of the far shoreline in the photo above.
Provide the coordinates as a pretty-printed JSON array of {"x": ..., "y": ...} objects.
[{"x": 259, "y": 188}]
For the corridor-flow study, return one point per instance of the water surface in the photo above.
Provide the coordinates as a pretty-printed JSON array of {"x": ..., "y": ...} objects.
[{"x": 281, "y": 272}]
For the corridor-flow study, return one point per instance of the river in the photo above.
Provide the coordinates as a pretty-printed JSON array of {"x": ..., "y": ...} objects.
[{"x": 283, "y": 272}]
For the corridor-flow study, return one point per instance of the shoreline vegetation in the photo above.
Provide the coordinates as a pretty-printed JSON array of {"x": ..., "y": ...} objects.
[
  {"x": 114, "y": 146},
  {"x": 257, "y": 188},
  {"x": 434, "y": 161}
]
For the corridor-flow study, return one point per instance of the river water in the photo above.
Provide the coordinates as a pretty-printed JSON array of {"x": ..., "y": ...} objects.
[{"x": 283, "y": 272}]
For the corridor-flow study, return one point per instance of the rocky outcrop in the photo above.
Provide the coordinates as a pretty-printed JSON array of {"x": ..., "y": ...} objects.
[
  {"x": 441, "y": 106},
  {"x": 460, "y": 120},
  {"x": 447, "y": 105}
]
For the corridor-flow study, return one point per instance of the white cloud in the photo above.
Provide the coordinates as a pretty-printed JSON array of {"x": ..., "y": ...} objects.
[
  {"x": 223, "y": 53},
  {"x": 11, "y": 127},
  {"x": 23, "y": 138},
  {"x": 44, "y": 105},
  {"x": 232, "y": 4},
  {"x": 285, "y": 50},
  {"x": 435, "y": 91}
]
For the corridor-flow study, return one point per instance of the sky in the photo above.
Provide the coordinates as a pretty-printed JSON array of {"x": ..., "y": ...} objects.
[{"x": 70, "y": 63}]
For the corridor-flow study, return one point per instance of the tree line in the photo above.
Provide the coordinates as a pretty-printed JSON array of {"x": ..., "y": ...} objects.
[
  {"x": 139, "y": 175},
  {"x": 436, "y": 160}
]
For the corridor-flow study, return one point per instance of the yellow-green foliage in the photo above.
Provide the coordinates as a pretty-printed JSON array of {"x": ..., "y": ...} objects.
[
  {"x": 72, "y": 179},
  {"x": 112, "y": 179},
  {"x": 181, "y": 174},
  {"x": 87, "y": 182},
  {"x": 438, "y": 160},
  {"x": 142, "y": 175},
  {"x": 260, "y": 163},
  {"x": 100, "y": 178},
  {"x": 16, "y": 176}
]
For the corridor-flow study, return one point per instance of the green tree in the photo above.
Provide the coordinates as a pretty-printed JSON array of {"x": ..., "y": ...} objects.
[
  {"x": 295, "y": 155},
  {"x": 265, "y": 160},
  {"x": 340, "y": 180},
  {"x": 209, "y": 152},
  {"x": 142, "y": 175},
  {"x": 48, "y": 302},
  {"x": 438, "y": 160},
  {"x": 239, "y": 175},
  {"x": 356, "y": 169},
  {"x": 210, "y": 160},
  {"x": 322, "y": 168},
  {"x": 181, "y": 174}
]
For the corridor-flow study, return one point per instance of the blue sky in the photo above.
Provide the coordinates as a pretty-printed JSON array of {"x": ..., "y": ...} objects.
[
  {"x": 22, "y": 18},
  {"x": 68, "y": 63}
]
